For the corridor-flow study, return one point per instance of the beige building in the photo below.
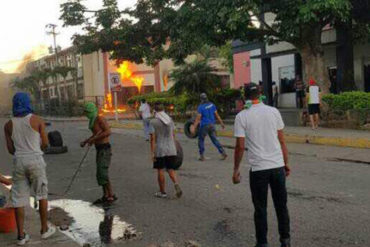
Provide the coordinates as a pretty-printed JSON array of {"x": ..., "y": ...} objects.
[
  {"x": 93, "y": 75},
  {"x": 6, "y": 92},
  {"x": 58, "y": 86}
]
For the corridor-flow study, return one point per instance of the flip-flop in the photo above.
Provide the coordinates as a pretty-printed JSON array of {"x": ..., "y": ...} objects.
[
  {"x": 100, "y": 201},
  {"x": 111, "y": 199}
]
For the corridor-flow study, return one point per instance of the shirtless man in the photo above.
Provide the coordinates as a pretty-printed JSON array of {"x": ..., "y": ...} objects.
[
  {"x": 25, "y": 139},
  {"x": 101, "y": 132},
  {"x": 4, "y": 180}
]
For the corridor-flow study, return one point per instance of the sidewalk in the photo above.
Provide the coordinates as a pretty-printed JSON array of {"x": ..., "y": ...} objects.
[
  {"x": 32, "y": 226},
  {"x": 322, "y": 136}
]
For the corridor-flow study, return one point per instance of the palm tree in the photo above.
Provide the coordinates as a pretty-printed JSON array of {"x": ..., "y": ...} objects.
[
  {"x": 195, "y": 78},
  {"x": 64, "y": 71},
  {"x": 27, "y": 84},
  {"x": 54, "y": 75}
]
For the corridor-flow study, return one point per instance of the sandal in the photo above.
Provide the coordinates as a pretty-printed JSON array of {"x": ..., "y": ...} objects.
[
  {"x": 100, "y": 200},
  {"x": 106, "y": 200},
  {"x": 111, "y": 199}
]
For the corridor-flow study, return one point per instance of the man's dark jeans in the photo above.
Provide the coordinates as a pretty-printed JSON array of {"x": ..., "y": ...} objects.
[
  {"x": 210, "y": 130},
  {"x": 259, "y": 182}
]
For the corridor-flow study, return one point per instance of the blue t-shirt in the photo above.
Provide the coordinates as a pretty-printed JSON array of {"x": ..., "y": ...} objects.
[{"x": 207, "y": 111}]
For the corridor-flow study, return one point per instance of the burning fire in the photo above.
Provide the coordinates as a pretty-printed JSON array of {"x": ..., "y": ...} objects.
[
  {"x": 108, "y": 106},
  {"x": 127, "y": 75}
]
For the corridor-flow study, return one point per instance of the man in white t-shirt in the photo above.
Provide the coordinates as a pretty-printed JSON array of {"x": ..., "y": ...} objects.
[
  {"x": 260, "y": 128},
  {"x": 314, "y": 103},
  {"x": 145, "y": 115}
]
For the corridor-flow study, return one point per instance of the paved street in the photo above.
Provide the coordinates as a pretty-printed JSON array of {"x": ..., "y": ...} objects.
[{"x": 329, "y": 201}]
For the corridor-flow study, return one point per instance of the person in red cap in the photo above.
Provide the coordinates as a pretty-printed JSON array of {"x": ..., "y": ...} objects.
[{"x": 313, "y": 103}]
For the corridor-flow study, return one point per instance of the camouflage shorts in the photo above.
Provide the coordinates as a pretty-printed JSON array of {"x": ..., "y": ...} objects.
[{"x": 103, "y": 159}]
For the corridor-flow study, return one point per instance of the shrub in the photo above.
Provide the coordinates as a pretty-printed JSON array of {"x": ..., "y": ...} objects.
[
  {"x": 180, "y": 102},
  {"x": 223, "y": 98},
  {"x": 348, "y": 101}
]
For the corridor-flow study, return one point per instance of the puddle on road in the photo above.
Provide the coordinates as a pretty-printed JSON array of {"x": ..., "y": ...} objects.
[{"x": 89, "y": 224}]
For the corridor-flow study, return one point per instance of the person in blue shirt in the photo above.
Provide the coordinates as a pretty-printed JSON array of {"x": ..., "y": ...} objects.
[{"x": 207, "y": 114}]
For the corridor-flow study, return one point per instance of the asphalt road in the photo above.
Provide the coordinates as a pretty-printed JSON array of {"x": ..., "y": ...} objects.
[{"x": 329, "y": 201}]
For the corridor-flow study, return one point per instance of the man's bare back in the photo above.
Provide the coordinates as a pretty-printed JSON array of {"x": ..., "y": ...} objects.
[{"x": 101, "y": 132}]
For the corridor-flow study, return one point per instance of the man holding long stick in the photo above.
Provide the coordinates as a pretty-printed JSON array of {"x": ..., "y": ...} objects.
[{"x": 101, "y": 132}]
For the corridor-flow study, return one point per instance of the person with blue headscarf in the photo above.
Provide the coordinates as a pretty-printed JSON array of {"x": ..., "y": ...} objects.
[
  {"x": 21, "y": 104},
  {"x": 26, "y": 138}
]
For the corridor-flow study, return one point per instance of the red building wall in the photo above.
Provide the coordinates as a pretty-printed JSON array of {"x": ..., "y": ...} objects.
[{"x": 242, "y": 72}]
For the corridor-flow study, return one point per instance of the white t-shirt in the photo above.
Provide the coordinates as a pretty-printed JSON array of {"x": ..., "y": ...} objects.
[
  {"x": 259, "y": 125},
  {"x": 314, "y": 95},
  {"x": 145, "y": 110}
]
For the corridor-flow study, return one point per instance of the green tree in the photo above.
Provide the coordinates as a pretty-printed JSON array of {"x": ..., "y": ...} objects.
[
  {"x": 28, "y": 84},
  {"x": 194, "y": 78},
  {"x": 64, "y": 71},
  {"x": 157, "y": 29}
]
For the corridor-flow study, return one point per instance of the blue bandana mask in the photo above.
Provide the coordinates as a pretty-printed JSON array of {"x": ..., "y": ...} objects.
[{"x": 21, "y": 104}]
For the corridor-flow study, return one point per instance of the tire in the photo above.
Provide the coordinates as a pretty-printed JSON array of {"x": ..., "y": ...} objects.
[
  {"x": 55, "y": 139},
  {"x": 180, "y": 156},
  {"x": 187, "y": 130},
  {"x": 56, "y": 150}
]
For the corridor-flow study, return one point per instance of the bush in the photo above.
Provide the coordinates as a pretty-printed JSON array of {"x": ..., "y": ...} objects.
[
  {"x": 355, "y": 104},
  {"x": 348, "y": 101},
  {"x": 223, "y": 98},
  {"x": 180, "y": 103}
]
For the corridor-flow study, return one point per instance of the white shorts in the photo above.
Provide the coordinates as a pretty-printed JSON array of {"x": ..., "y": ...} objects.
[{"x": 29, "y": 175}]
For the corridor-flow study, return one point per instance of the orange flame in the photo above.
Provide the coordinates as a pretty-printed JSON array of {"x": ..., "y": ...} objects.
[
  {"x": 108, "y": 106},
  {"x": 127, "y": 75}
]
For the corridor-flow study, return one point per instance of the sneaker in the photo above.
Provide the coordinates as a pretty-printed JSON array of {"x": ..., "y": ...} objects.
[
  {"x": 160, "y": 195},
  {"x": 285, "y": 242},
  {"x": 223, "y": 156},
  {"x": 51, "y": 230},
  {"x": 178, "y": 191},
  {"x": 22, "y": 241},
  {"x": 202, "y": 158}
]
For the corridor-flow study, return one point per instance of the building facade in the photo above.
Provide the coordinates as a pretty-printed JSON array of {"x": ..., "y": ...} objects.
[
  {"x": 65, "y": 83},
  {"x": 280, "y": 63},
  {"x": 92, "y": 77}
]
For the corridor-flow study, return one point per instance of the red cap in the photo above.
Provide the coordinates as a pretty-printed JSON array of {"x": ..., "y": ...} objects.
[{"x": 312, "y": 82}]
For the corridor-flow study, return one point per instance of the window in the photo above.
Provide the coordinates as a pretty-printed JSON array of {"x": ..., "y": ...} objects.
[{"x": 286, "y": 78}]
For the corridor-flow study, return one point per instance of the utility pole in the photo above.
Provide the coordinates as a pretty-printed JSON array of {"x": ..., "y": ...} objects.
[{"x": 54, "y": 33}]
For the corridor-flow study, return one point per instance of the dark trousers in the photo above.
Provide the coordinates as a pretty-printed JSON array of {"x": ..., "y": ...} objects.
[
  {"x": 259, "y": 182},
  {"x": 210, "y": 130},
  {"x": 299, "y": 96}
]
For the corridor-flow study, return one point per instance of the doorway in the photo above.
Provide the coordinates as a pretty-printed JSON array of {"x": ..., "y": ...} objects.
[
  {"x": 333, "y": 79},
  {"x": 367, "y": 78}
]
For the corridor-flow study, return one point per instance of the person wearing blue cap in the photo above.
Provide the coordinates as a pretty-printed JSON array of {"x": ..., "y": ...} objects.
[
  {"x": 26, "y": 138},
  {"x": 207, "y": 115}
]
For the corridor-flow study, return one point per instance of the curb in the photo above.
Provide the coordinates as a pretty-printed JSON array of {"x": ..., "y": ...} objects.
[{"x": 290, "y": 138}]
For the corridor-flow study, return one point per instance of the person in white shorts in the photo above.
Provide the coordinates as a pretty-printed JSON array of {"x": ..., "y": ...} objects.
[{"x": 25, "y": 138}]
